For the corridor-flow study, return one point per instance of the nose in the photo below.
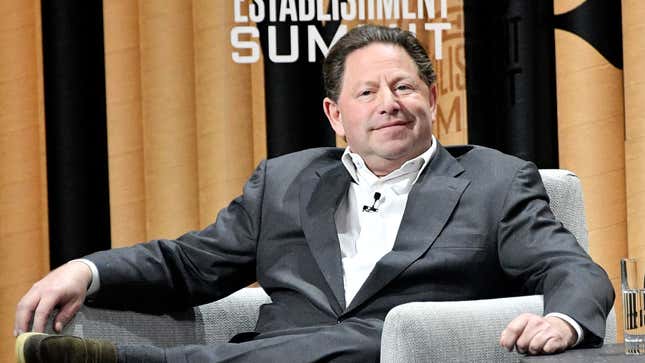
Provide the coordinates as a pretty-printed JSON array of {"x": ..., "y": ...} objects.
[{"x": 389, "y": 103}]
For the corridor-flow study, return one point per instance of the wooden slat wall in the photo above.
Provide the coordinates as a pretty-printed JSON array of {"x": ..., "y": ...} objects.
[
  {"x": 186, "y": 124},
  {"x": 224, "y": 113},
  {"x": 125, "y": 126},
  {"x": 451, "y": 124},
  {"x": 634, "y": 82},
  {"x": 591, "y": 137},
  {"x": 24, "y": 248},
  {"x": 169, "y": 124}
]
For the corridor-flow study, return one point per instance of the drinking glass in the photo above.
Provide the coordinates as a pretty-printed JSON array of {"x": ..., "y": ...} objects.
[{"x": 632, "y": 277}]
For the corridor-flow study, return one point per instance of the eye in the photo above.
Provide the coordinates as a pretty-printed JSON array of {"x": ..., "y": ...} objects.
[
  {"x": 364, "y": 93},
  {"x": 403, "y": 87}
]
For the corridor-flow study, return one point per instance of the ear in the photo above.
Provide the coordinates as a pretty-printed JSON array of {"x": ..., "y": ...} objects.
[
  {"x": 433, "y": 101},
  {"x": 333, "y": 115}
]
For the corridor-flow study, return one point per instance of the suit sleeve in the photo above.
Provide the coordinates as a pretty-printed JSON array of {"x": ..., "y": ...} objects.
[
  {"x": 536, "y": 250},
  {"x": 198, "y": 267}
]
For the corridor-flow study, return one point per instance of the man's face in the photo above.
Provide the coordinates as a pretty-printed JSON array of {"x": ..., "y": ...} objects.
[{"x": 384, "y": 109}]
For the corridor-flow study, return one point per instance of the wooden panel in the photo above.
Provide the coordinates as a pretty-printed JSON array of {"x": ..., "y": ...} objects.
[
  {"x": 124, "y": 122},
  {"x": 224, "y": 110},
  {"x": 24, "y": 248},
  {"x": 591, "y": 143},
  {"x": 635, "y": 164},
  {"x": 259, "y": 112},
  {"x": 633, "y": 12},
  {"x": 634, "y": 79},
  {"x": 168, "y": 109},
  {"x": 451, "y": 123}
]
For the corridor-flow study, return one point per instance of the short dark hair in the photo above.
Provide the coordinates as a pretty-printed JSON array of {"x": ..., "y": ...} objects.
[{"x": 362, "y": 36}]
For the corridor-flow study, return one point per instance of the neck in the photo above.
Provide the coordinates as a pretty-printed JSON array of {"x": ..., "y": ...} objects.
[{"x": 384, "y": 167}]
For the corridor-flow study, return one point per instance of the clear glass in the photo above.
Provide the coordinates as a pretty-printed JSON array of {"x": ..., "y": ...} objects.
[{"x": 632, "y": 278}]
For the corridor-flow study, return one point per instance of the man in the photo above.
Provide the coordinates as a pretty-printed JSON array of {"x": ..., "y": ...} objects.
[{"x": 338, "y": 238}]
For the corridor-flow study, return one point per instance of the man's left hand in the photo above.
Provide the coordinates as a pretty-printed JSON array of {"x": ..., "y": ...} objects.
[{"x": 534, "y": 334}]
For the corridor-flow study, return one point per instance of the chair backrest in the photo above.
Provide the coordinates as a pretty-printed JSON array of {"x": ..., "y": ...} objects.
[{"x": 565, "y": 194}]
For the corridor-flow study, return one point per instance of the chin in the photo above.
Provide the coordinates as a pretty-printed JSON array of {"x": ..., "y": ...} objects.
[{"x": 396, "y": 149}]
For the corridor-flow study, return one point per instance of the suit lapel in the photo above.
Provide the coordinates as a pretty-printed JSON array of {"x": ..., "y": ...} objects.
[
  {"x": 319, "y": 199},
  {"x": 429, "y": 206}
]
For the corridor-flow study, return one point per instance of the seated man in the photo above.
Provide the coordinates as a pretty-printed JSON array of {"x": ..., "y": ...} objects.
[{"x": 337, "y": 238}]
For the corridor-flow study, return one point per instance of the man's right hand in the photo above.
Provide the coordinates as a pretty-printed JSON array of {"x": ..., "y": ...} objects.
[{"x": 64, "y": 288}]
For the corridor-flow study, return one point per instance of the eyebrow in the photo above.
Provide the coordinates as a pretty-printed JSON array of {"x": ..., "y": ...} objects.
[{"x": 395, "y": 79}]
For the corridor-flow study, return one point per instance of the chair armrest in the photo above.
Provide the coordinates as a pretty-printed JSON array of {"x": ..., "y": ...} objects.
[
  {"x": 610, "y": 330},
  {"x": 458, "y": 331},
  {"x": 205, "y": 324},
  {"x": 234, "y": 314},
  {"x": 452, "y": 331}
]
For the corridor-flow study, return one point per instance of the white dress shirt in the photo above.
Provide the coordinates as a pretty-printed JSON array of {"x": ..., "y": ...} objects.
[{"x": 365, "y": 237}]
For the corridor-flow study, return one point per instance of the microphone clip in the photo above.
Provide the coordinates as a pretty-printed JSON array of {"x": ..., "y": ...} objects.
[{"x": 372, "y": 208}]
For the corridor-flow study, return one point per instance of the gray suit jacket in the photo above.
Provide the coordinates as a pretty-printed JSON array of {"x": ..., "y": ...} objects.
[{"x": 477, "y": 225}]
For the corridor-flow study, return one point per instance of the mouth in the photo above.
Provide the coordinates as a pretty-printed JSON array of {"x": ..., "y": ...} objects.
[{"x": 391, "y": 124}]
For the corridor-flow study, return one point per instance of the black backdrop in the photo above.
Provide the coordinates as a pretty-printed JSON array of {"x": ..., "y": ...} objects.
[
  {"x": 510, "y": 78},
  {"x": 75, "y": 124}
]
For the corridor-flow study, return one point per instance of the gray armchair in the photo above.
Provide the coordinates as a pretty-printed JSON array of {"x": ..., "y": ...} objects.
[
  {"x": 414, "y": 332},
  {"x": 468, "y": 331}
]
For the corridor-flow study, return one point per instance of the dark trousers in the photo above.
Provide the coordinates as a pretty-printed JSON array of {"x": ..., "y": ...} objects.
[{"x": 349, "y": 341}]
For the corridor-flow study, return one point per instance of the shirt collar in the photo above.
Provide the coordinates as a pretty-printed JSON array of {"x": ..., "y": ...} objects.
[{"x": 359, "y": 171}]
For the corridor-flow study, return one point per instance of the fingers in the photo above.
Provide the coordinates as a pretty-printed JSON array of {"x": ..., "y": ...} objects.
[
  {"x": 65, "y": 314},
  {"x": 33, "y": 306},
  {"x": 554, "y": 346},
  {"x": 24, "y": 312},
  {"x": 64, "y": 287},
  {"x": 513, "y": 331},
  {"x": 564, "y": 331},
  {"x": 41, "y": 315},
  {"x": 36, "y": 305},
  {"x": 531, "y": 337},
  {"x": 536, "y": 344},
  {"x": 40, "y": 310},
  {"x": 534, "y": 334}
]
